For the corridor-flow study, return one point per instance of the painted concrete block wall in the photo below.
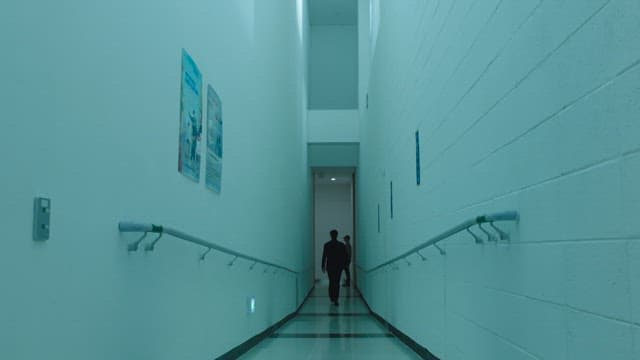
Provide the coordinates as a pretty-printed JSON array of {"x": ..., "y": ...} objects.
[
  {"x": 333, "y": 209},
  {"x": 530, "y": 106},
  {"x": 333, "y": 67},
  {"x": 90, "y": 100}
]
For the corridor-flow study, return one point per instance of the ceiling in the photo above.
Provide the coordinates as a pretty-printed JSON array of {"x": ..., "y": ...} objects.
[
  {"x": 333, "y": 12},
  {"x": 341, "y": 175}
]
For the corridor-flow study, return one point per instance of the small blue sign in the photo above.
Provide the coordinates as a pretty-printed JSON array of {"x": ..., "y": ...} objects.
[
  {"x": 391, "y": 197},
  {"x": 378, "y": 218},
  {"x": 417, "y": 157}
]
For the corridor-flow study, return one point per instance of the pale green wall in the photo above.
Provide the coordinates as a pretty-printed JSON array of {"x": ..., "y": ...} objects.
[
  {"x": 326, "y": 126},
  {"x": 333, "y": 154},
  {"x": 90, "y": 102},
  {"x": 530, "y": 106},
  {"x": 333, "y": 67}
]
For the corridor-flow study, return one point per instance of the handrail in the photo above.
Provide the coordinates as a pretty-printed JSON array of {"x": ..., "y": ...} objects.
[
  {"x": 479, "y": 220},
  {"x": 124, "y": 226}
]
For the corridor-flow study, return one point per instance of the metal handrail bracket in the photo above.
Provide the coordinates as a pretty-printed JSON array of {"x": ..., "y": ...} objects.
[
  {"x": 465, "y": 226},
  {"x": 125, "y": 226}
]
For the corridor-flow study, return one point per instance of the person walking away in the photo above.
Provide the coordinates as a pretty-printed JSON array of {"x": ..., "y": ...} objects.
[
  {"x": 334, "y": 258},
  {"x": 347, "y": 273}
]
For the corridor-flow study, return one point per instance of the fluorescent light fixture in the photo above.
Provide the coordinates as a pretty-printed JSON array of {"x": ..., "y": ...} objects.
[
  {"x": 333, "y": 179},
  {"x": 300, "y": 13},
  {"x": 251, "y": 305}
]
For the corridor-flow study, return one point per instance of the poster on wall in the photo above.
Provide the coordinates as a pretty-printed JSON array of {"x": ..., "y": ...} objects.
[
  {"x": 214, "y": 141},
  {"x": 190, "y": 119}
]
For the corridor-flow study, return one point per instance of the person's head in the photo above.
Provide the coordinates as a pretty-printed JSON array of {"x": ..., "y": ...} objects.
[
  {"x": 347, "y": 238},
  {"x": 334, "y": 234}
]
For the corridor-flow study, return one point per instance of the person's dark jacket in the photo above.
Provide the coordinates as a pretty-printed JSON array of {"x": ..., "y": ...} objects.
[{"x": 334, "y": 256}]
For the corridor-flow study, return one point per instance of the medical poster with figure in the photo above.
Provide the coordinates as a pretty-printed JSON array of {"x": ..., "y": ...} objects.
[
  {"x": 190, "y": 119},
  {"x": 214, "y": 141}
]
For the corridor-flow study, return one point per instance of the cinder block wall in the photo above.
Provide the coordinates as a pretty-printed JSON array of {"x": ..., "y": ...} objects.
[{"x": 531, "y": 106}]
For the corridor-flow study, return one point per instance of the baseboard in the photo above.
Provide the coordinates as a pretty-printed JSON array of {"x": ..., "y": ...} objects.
[
  {"x": 422, "y": 351},
  {"x": 241, "y": 349}
]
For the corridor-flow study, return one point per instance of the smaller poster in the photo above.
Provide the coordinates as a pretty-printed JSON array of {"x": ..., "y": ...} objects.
[
  {"x": 190, "y": 119},
  {"x": 214, "y": 141}
]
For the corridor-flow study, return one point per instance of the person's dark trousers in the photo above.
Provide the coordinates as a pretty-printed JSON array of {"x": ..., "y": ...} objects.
[
  {"x": 334, "y": 284},
  {"x": 347, "y": 273}
]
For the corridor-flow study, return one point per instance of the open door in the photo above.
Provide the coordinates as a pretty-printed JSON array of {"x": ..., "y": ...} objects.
[{"x": 333, "y": 208}]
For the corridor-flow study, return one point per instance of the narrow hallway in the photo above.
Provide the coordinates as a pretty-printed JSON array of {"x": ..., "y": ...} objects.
[
  {"x": 173, "y": 172},
  {"x": 323, "y": 331}
]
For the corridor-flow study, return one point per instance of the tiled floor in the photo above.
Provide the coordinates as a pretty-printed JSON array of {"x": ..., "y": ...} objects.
[{"x": 324, "y": 331}]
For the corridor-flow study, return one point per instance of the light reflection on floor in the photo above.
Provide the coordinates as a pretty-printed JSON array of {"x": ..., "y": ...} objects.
[{"x": 324, "y": 331}]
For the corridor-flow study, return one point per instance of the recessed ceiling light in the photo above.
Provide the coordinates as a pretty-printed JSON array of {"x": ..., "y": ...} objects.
[{"x": 333, "y": 179}]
